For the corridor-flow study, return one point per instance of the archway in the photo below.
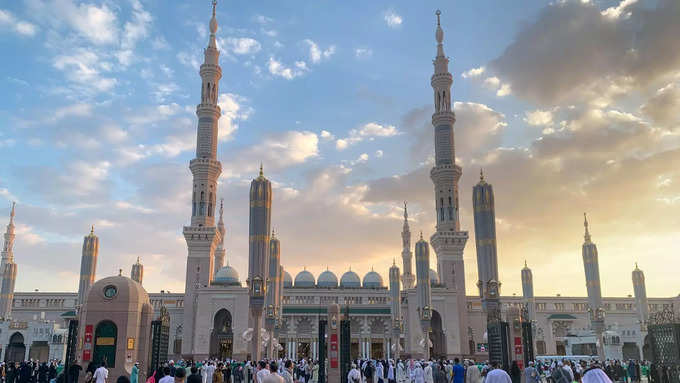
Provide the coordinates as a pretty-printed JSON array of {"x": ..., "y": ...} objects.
[
  {"x": 630, "y": 351},
  {"x": 16, "y": 350},
  {"x": 222, "y": 338},
  {"x": 105, "y": 340},
  {"x": 437, "y": 337}
]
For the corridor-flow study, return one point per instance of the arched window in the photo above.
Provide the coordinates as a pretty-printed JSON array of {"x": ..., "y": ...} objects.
[
  {"x": 210, "y": 205},
  {"x": 202, "y": 206}
]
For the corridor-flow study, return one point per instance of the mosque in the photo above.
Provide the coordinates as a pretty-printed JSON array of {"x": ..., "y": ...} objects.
[{"x": 417, "y": 312}]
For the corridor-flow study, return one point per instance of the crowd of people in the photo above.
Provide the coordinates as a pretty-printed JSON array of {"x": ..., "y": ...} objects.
[{"x": 360, "y": 371}]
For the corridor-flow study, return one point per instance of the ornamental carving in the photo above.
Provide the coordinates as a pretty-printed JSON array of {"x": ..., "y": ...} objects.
[
  {"x": 665, "y": 316},
  {"x": 560, "y": 328}
]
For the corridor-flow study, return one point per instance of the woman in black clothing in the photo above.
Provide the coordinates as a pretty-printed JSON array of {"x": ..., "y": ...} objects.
[{"x": 515, "y": 372}]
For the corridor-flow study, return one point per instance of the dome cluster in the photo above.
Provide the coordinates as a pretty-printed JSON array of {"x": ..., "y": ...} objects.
[
  {"x": 228, "y": 276},
  {"x": 328, "y": 279}
]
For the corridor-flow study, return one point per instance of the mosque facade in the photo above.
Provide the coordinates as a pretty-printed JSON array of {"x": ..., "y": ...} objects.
[{"x": 271, "y": 313}]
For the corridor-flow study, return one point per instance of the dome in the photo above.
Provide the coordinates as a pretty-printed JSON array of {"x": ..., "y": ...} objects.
[
  {"x": 116, "y": 290},
  {"x": 227, "y": 276},
  {"x": 327, "y": 279},
  {"x": 350, "y": 279},
  {"x": 287, "y": 279},
  {"x": 372, "y": 280},
  {"x": 434, "y": 278},
  {"x": 304, "y": 279}
]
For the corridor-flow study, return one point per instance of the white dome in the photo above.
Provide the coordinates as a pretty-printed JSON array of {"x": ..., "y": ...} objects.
[
  {"x": 350, "y": 279},
  {"x": 287, "y": 279},
  {"x": 372, "y": 280},
  {"x": 227, "y": 276},
  {"x": 327, "y": 279},
  {"x": 304, "y": 279},
  {"x": 434, "y": 278}
]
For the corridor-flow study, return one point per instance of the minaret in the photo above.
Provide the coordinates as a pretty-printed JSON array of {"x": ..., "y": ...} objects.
[
  {"x": 88, "y": 265},
  {"x": 220, "y": 251},
  {"x": 9, "y": 269},
  {"x": 258, "y": 261},
  {"x": 272, "y": 300},
  {"x": 423, "y": 291},
  {"x": 407, "y": 278},
  {"x": 592, "y": 270},
  {"x": 528, "y": 291},
  {"x": 202, "y": 236},
  {"x": 485, "y": 239},
  {"x": 448, "y": 241},
  {"x": 137, "y": 272},
  {"x": 640, "y": 291},
  {"x": 395, "y": 296}
]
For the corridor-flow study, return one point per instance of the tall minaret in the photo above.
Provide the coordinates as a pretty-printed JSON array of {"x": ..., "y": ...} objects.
[
  {"x": 272, "y": 299},
  {"x": 395, "y": 296},
  {"x": 485, "y": 239},
  {"x": 448, "y": 242},
  {"x": 407, "y": 278},
  {"x": 9, "y": 269},
  {"x": 88, "y": 265},
  {"x": 137, "y": 272},
  {"x": 424, "y": 291},
  {"x": 220, "y": 251},
  {"x": 640, "y": 291},
  {"x": 528, "y": 291},
  {"x": 592, "y": 270},
  {"x": 258, "y": 261},
  {"x": 202, "y": 236}
]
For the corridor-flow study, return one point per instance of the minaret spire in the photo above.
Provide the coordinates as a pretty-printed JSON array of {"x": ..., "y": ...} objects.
[
  {"x": 407, "y": 278},
  {"x": 8, "y": 269},
  {"x": 448, "y": 241},
  {"x": 202, "y": 236},
  {"x": 585, "y": 224}
]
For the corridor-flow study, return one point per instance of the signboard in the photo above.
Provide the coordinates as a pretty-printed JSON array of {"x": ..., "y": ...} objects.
[
  {"x": 519, "y": 352},
  {"x": 87, "y": 343},
  {"x": 334, "y": 350},
  {"x": 131, "y": 343}
]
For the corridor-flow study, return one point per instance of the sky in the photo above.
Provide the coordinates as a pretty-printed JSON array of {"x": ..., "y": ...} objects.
[{"x": 569, "y": 106}]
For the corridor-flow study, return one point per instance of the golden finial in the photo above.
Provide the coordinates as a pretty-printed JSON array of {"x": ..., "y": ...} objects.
[
  {"x": 120, "y": 272},
  {"x": 214, "y": 5},
  {"x": 481, "y": 174},
  {"x": 421, "y": 235},
  {"x": 137, "y": 260},
  {"x": 261, "y": 172},
  {"x": 525, "y": 263},
  {"x": 92, "y": 230},
  {"x": 438, "y": 13}
]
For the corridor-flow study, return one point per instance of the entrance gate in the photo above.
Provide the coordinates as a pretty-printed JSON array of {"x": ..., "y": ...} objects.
[
  {"x": 222, "y": 339},
  {"x": 664, "y": 339},
  {"x": 16, "y": 350},
  {"x": 105, "y": 339}
]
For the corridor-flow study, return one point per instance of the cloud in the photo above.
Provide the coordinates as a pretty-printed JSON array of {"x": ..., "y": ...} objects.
[
  {"x": 240, "y": 45},
  {"x": 591, "y": 56},
  {"x": 316, "y": 54},
  {"x": 664, "y": 106},
  {"x": 538, "y": 117},
  {"x": 378, "y": 153},
  {"x": 474, "y": 72},
  {"x": 24, "y": 28},
  {"x": 494, "y": 83},
  {"x": 326, "y": 135},
  {"x": 134, "y": 30},
  {"x": 362, "y": 53},
  {"x": 75, "y": 110},
  {"x": 84, "y": 68},
  {"x": 277, "y": 68},
  {"x": 97, "y": 24},
  {"x": 188, "y": 59},
  {"x": 392, "y": 19},
  {"x": 368, "y": 131},
  {"x": 233, "y": 111},
  {"x": 276, "y": 151}
]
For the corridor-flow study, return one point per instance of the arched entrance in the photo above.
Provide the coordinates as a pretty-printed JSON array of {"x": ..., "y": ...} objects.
[
  {"x": 437, "y": 336},
  {"x": 105, "y": 340},
  {"x": 222, "y": 338},
  {"x": 16, "y": 350}
]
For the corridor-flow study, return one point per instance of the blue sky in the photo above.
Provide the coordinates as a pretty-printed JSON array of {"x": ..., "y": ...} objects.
[{"x": 560, "y": 102}]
